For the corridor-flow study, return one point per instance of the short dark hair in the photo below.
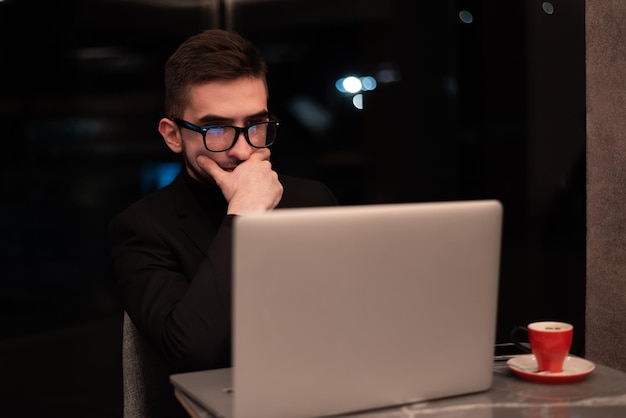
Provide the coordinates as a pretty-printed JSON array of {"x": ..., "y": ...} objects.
[{"x": 213, "y": 54}]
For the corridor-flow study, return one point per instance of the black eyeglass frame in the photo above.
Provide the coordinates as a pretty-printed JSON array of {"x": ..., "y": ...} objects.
[{"x": 238, "y": 131}]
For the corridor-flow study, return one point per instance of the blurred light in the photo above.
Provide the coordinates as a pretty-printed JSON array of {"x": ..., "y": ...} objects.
[
  {"x": 339, "y": 85},
  {"x": 466, "y": 16},
  {"x": 98, "y": 53},
  {"x": 310, "y": 114},
  {"x": 352, "y": 84},
  {"x": 368, "y": 83},
  {"x": 110, "y": 58},
  {"x": 547, "y": 7},
  {"x": 450, "y": 85},
  {"x": 388, "y": 76},
  {"x": 157, "y": 175},
  {"x": 357, "y": 101},
  {"x": 167, "y": 3}
]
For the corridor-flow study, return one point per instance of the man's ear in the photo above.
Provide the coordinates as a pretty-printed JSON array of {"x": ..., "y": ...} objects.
[{"x": 171, "y": 135}]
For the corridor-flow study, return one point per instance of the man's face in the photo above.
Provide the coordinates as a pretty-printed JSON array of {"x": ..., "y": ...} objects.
[{"x": 234, "y": 102}]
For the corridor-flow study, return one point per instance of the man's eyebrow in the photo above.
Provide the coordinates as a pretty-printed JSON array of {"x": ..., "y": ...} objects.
[{"x": 221, "y": 120}]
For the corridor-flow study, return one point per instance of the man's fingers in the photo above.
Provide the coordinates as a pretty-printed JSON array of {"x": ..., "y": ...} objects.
[
  {"x": 211, "y": 167},
  {"x": 262, "y": 154}
]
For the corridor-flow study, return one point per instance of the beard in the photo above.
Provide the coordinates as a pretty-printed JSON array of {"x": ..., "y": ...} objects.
[{"x": 198, "y": 174}]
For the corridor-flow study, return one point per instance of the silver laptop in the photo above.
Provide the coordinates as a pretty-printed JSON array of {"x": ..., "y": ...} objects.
[{"x": 352, "y": 308}]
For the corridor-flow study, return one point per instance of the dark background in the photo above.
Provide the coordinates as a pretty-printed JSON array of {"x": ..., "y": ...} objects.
[{"x": 489, "y": 109}]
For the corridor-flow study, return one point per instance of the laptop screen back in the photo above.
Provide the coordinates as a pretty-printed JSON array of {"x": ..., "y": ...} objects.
[{"x": 357, "y": 307}]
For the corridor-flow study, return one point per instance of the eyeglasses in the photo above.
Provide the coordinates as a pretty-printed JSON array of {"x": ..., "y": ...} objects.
[{"x": 218, "y": 138}]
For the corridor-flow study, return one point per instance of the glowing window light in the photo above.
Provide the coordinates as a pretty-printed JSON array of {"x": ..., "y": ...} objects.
[{"x": 357, "y": 101}]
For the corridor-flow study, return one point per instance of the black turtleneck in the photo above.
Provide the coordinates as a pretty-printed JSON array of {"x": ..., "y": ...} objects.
[{"x": 208, "y": 196}]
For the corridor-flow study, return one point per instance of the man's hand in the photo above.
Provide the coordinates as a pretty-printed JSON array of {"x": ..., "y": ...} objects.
[{"x": 251, "y": 187}]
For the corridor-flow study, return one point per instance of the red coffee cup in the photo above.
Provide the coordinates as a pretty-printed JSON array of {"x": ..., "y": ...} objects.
[{"x": 550, "y": 342}]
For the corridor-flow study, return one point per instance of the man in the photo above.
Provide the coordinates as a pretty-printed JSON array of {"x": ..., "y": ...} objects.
[{"x": 172, "y": 250}]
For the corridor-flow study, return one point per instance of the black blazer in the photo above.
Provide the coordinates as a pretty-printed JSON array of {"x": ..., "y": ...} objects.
[{"x": 171, "y": 255}]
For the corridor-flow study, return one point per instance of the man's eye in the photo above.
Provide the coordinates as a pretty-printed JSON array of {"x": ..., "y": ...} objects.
[{"x": 217, "y": 130}]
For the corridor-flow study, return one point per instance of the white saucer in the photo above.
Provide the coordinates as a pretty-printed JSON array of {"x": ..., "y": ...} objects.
[{"x": 574, "y": 369}]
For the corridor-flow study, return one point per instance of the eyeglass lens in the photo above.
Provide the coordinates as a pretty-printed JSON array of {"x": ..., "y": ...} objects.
[{"x": 223, "y": 137}]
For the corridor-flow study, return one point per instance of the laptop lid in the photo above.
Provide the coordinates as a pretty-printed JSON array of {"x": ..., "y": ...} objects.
[{"x": 350, "y": 308}]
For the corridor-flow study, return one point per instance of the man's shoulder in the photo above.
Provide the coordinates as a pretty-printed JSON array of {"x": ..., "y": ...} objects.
[{"x": 152, "y": 203}]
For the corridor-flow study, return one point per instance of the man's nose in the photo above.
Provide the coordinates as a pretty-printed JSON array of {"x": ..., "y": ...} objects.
[{"x": 241, "y": 150}]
